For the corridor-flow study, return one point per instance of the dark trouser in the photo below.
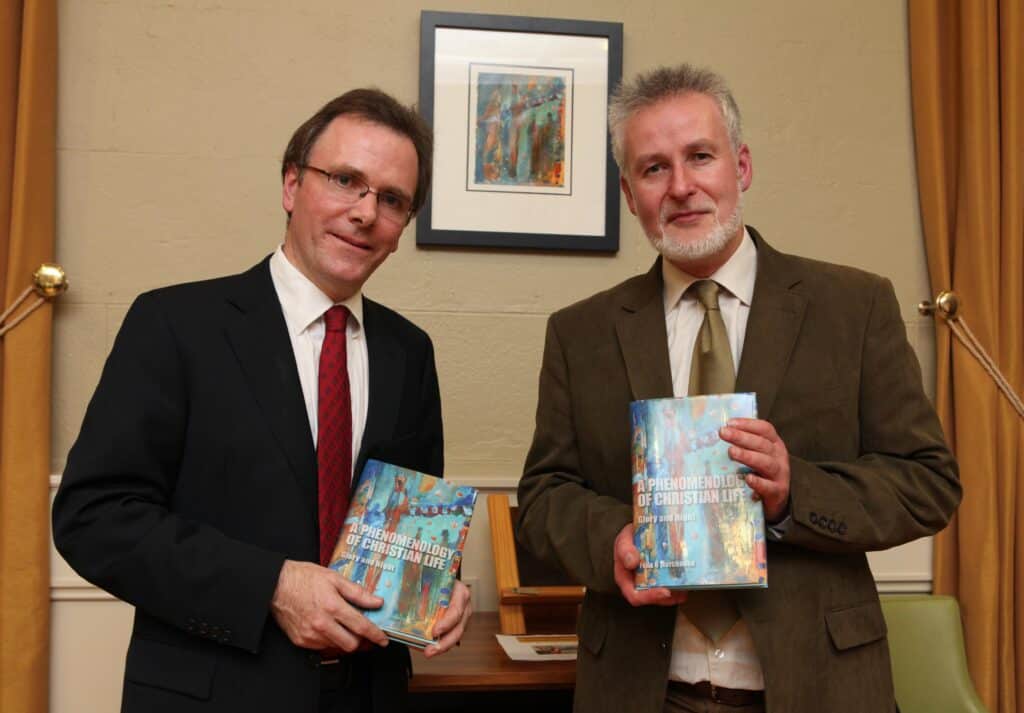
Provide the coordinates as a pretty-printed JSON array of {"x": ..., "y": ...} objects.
[{"x": 345, "y": 686}]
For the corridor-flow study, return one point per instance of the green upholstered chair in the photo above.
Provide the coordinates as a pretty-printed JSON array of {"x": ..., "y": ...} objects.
[{"x": 929, "y": 666}]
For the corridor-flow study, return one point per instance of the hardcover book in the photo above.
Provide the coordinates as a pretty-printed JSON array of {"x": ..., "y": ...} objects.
[
  {"x": 694, "y": 521},
  {"x": 402, "y": 539}
]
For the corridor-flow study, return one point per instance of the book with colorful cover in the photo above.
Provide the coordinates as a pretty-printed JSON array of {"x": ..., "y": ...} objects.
[
  {"x": 402, "y": 539},
  {"x": 694, "y": 521}
]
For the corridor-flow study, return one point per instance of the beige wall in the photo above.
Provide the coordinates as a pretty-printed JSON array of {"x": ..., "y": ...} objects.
[{"x": 173, "y": 116}]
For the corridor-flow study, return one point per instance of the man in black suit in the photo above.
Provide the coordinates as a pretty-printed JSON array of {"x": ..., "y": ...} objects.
[{"x": 192, "y": 490}]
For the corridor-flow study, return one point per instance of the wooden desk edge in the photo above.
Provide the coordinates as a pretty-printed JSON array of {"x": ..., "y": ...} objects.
[{"x": 520, "y": 680}]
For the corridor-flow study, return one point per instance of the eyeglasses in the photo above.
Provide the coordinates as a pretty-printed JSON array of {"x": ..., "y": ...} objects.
[{"x": 351, "y": 189}]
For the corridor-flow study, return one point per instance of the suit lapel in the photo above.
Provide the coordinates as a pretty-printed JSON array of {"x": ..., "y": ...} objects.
[
  {"x": 776, "y": 313},
  {"x": 259, "y": 338},
  {"x": 386, "y": 363},
  {"x": 640, "y": 327}
]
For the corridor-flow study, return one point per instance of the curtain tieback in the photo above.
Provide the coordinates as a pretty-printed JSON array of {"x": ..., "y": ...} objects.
[
  {"x": 947, "y": 305},
  {"x": 48, "y": 282}
]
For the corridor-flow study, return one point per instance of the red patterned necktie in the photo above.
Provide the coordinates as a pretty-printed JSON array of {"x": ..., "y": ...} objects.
[{"x": 334, "y": 432}]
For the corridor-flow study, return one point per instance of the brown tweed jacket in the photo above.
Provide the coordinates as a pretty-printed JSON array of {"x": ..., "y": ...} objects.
[{"x": 827, "y": 354}]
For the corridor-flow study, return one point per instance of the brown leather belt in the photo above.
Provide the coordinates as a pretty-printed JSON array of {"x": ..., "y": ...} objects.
[{"x": 719, "y": 694}]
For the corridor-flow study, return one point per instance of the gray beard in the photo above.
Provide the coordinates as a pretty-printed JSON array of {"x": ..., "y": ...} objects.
[{"x": 715, "y": 241}]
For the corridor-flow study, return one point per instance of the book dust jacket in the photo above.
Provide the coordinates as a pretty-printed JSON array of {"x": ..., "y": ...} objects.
[
  {"x": 694, "y": 522},
  {"x": 402, "y": 540}
]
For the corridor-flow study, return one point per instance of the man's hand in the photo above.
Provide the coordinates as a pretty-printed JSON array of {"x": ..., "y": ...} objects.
[
  {"x": 450, "y": 627},
  {"x": 316, "y": 608},
  {"x": 756, "y": 444},
  {"x": 627, "y": 559}
]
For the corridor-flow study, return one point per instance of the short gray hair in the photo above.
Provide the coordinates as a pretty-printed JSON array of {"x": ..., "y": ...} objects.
[{"x": 664, "y": 83}]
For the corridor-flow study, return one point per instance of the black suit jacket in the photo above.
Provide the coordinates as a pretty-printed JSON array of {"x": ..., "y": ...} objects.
[{"x": 194, "y": 478}]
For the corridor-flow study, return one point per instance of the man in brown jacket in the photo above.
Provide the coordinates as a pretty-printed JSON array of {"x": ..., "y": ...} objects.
[{"x": 847, "y": 455}]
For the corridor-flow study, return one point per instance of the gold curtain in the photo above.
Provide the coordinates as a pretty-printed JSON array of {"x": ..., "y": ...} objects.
[
  {"x": 967, "y": 82},
  {"x": 28, "y": 104}
]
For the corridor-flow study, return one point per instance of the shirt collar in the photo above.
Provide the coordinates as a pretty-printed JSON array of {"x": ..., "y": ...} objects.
[
  {"x": 302, "y": 302},
  {"x": 737, "y": 275}
]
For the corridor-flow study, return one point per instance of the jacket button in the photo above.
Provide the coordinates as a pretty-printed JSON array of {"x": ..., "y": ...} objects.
[
  {"x": 814, "y": 518},
  {"x": 842, "y": 528},
  {"x": 831, "y": 525}
]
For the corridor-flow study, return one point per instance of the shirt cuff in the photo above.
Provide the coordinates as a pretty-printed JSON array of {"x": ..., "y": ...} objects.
[{"x": 778, "y": 531}]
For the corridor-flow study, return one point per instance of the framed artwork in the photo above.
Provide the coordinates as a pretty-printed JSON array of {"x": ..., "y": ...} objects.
[{"x": 519, "y": 107}]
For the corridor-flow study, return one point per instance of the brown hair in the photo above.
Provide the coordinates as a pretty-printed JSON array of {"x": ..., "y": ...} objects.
[{"x": 374, "y": 106}]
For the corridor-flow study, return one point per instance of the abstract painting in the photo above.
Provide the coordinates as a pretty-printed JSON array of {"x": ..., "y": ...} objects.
[{"x": 521, "y": 129}]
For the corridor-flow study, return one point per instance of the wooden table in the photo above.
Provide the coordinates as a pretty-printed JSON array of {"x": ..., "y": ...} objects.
[{"x": 480, "y": 664}]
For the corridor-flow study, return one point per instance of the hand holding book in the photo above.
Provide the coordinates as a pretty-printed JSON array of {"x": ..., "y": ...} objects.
[
  {"x": 627, "y": 559},
  {"x": 319, "y": 610},
  {"x": 450, "y": 627},
  {"x": 757, "y": 445}
]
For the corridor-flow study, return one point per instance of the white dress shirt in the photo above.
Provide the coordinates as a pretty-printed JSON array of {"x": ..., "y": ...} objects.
[
  {"x": 732, "y": 662},
  {"x": 303, "y": 305}
]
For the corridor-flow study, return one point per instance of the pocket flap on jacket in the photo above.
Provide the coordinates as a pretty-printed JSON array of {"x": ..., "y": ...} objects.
[
  {"x": 856, "y": 626},
  {"x": 152, "y": 663},
  {"x": 592, "y": 627}
]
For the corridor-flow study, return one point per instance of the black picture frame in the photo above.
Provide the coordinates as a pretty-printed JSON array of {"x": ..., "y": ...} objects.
[{"x": 474, "y": 212}]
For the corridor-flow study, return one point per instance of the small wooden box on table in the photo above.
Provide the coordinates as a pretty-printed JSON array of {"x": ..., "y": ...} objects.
[{"x": 480, "y": 664}]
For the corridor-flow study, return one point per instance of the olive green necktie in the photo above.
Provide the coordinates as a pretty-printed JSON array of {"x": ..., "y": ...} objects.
[{"x": 711, "y": 372}]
